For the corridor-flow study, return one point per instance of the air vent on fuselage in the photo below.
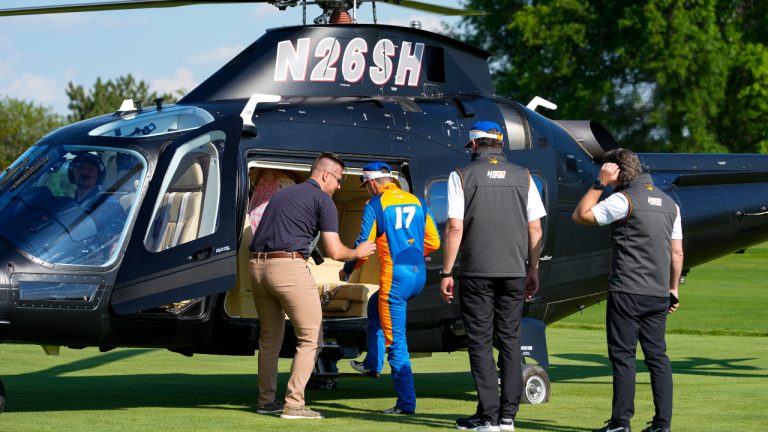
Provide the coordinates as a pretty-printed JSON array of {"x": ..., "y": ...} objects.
[{"x": 593, "y": 138}]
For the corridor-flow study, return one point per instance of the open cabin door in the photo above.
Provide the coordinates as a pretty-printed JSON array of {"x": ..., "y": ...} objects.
[{"x": 184, "y": 243}]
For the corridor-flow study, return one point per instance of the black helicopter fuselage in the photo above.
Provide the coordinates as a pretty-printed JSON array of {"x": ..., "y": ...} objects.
[{"x": 404, "y": 96}]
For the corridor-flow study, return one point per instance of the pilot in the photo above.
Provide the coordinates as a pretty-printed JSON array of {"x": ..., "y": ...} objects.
[
  {"x": 404, "y": 231},
  {"x": 647, "y": 241},
  {"x": 86, "y": 172},
  {"x": 283, "y": 284},
  {"x": 493, "y": 220}
]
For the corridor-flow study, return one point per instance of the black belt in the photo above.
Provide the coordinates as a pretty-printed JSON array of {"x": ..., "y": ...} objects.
[{"x": 270, "y": 255}]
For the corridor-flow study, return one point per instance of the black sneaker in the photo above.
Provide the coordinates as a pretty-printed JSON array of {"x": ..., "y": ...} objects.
[
  {"x": 655, "y": 428},
  {"x": 479, "y": 424},
  {"x": 613, "y": 427},
  {"x": 270, "y": 408}
]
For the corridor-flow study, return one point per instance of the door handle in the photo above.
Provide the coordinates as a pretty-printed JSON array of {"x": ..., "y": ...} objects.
[{"x": 201, "y": 254}]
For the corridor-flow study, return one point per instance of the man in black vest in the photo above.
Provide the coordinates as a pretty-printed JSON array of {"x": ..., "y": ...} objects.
[
  {"x": 647, "y": 260},
  {"x": 493, "y": 219}
]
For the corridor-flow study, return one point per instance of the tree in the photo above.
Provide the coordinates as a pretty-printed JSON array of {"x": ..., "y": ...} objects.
[
  {"x": 106, "y": 96},
  {"x": 668, "y": 75},
  {"x": 21, "y": 125}
]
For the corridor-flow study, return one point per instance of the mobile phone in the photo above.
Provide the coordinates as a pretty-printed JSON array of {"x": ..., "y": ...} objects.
[{"x": 672, "y": 300}]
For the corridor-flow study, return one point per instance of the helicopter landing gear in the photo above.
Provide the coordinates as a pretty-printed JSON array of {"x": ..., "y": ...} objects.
[
  {"x": 322, "y": 383},
  {"x": 325, "y": 375},
  {"x": 2, "y": 397},
  {"x": 536, "y": 386}
]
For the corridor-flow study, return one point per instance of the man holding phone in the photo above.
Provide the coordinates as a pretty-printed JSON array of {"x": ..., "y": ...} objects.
[{"x": 647, "y": 260}]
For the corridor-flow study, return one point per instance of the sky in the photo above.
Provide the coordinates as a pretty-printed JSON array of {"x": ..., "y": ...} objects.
[{"x": 169, "y": 48}]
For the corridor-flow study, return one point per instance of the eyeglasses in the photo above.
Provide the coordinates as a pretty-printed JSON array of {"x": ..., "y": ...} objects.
[{"x": 338, "y": 179}]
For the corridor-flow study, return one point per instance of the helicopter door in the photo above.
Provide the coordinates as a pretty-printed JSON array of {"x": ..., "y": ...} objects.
[{"x": 184, "y": 243}]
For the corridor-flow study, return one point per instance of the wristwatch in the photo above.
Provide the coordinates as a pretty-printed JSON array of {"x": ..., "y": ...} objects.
[
  {"x": 446, "y": 275},
  {"x": 597, "y": 185}
]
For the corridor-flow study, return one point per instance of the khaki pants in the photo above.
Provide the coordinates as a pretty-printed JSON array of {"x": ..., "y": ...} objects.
[{"x": 285, "y": 285}]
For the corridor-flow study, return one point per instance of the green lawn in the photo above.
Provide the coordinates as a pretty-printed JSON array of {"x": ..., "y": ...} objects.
[
  {"x": 720, "y": 384},
  {"x": 728, "y": 296},
  {"x": 718, "y": 350}
]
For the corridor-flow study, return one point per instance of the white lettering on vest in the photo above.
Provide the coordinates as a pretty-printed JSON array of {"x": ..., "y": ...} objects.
[
  {"x": 654, "y": 201},
  {"x": 497, "y": 174}
]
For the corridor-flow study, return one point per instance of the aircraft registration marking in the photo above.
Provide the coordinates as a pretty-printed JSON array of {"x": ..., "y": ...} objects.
[{"x": 293, "y": 61}]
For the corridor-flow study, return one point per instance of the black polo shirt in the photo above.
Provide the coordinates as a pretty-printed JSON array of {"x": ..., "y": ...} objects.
[{"x": 293, "y": 218}]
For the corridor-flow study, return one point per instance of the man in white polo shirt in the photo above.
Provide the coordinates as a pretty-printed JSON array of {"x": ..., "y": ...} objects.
[
  {"x": 647, "y": 260},
  {"x": 493, "y": 219}
]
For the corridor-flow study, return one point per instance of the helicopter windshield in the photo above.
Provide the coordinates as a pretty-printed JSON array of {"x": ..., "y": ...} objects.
[{"x": 71, "y": 204}]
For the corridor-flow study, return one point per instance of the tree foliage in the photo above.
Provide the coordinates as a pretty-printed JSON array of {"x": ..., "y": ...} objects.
[
  {"x": 106, "y": 96},
  {"x": 21, "y": 125},
  {"x": 662, "y": 75}
]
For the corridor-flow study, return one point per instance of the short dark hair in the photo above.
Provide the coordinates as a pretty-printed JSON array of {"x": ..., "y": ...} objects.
[
  {"x": 628, "y": 162},
  {"x": 490, "y": 142},
  {"x": 328, "y": 155}
]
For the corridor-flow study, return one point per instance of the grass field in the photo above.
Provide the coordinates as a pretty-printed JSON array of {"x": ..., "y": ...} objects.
[{"x": 717, "y": 345}]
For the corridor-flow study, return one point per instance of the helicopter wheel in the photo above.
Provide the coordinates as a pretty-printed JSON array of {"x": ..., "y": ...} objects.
[
  {"x": 2, "y": 397},
  {"x": 536, "y": 386}
]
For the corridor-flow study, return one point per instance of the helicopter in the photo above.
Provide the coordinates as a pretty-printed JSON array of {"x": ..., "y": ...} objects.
[{"x": 169, "y": 269}]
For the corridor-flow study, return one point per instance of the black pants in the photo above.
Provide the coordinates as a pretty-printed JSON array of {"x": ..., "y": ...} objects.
[
  {"x": 493, "y": 306},
  {"x": 628, "y": 317}
]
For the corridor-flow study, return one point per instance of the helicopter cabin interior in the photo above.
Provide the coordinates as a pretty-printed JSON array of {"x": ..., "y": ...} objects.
[{"x": 339, "y": 299}]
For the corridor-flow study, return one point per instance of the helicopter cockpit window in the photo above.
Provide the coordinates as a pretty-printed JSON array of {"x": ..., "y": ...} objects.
[
  {"x": 437, "y": 196},
  {"x": 72, "y": 204},
  {"x": 153, "y": 122},
  {"x": 188, "y": 203}
]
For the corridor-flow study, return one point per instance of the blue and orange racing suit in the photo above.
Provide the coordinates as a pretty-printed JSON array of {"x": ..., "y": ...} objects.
[{"x": 404, "y": 231}]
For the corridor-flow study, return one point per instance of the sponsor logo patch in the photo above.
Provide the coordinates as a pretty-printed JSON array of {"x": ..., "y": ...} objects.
[
  {"x": 654, "y": 201},
  {"x": 497, "y": 174}
]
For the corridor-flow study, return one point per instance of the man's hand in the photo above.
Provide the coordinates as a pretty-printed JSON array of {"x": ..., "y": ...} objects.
[
  {"x": 446, "y": 288},
  {"x": 609, "y": 173},
  {"x": 365, "y": 249},
  {"x": 531, "y": 284},
  {"x": 673, "y": 307}
]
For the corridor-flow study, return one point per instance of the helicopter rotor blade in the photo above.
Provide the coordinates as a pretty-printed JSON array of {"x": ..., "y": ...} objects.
[
  {"x": 429, "y": 7},
  {"x": 114, "y": 5}
]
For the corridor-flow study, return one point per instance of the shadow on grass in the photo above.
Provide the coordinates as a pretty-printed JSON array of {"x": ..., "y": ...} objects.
[
  {"x": 54, "y": 389},
  {"x": 600, "y": 366}
]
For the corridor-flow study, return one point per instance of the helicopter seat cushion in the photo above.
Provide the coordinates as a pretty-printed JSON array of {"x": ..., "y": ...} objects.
[
  {"x": 179, "y": 215},
  {"x": 346, "y": 298},
  {"x": 337, "y": 306}
]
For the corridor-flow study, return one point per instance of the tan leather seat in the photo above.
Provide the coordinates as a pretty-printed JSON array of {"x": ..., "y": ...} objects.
[{"x": 178, "y": 218}]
